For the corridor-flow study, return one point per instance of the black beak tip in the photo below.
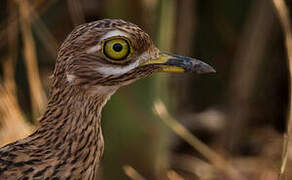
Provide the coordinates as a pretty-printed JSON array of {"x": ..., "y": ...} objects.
[
  {"x": 203, "y": 68},
  {"x": 212, "y": 70}
]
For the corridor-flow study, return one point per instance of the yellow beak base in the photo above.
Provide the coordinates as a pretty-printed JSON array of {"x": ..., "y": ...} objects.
[{"x": 173, "y": 63}]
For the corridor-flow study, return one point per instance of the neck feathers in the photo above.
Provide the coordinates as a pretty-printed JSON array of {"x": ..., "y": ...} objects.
[{"x": 68, "y": 141}]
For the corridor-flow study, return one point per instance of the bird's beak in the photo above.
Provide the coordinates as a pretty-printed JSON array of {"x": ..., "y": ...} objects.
[{"x": 179, "y": 64}]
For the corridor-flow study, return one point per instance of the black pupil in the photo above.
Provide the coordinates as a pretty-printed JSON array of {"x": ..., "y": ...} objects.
[{"x": 117, "y": 47}]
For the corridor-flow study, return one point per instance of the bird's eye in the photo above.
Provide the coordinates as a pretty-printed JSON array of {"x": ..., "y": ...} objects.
[{"x": 117, "y": 49}]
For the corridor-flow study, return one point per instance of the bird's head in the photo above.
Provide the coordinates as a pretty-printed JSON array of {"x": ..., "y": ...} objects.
[{"x": 106, "y": 54}]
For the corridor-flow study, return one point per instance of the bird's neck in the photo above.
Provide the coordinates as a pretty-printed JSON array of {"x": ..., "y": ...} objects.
[{"x": 70, "y": 128}]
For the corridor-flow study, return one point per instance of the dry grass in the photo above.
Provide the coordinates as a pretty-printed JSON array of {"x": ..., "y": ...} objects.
[
  {"x": 43, "y": 33},
  {"x": 13, "y": 123},
  {"x": 217, "y": 160},
  {"x": 172, "y": 175},
  {"x": 283, "y": 14},
  {"x": 132, "y": 173},
  {"x": 37, "y": 93},
  {"x": 76, "y": 12},
  {"x": 8, "y": 65},
  {"x": 40, "y": 5}
]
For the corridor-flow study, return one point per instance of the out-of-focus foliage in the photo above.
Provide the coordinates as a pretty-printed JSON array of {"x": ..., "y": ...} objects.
[{"x": 239, "y": 112}]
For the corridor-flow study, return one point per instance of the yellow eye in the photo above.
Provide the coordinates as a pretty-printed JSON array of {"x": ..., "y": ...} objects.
[{"x": 117, "y": 49}]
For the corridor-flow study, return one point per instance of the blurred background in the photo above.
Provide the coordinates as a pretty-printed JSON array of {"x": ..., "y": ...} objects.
[{"x": 240, "y": 112}]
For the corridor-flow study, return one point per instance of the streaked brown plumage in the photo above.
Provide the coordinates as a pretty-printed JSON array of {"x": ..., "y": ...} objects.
[{"x": 68, "y": 142}]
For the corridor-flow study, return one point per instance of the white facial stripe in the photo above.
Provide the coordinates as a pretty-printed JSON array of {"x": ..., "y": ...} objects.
[
  {"x": 113, "y": 34},
  {"x": 110, "y": 34},
  {"x": 144, "y": 57},
  {"x": 94, "y": 49},
  {"x": 121, "y": 70},
  {"x": 70, "y": 77},
  {"x": 117, "y": 70}
]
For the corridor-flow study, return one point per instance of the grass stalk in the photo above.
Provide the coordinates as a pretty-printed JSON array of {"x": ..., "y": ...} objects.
[
  {"x": 283, "y": 15},
  {"x": 37, "y": 93},
  {"x": 132, "y": 173},
  {"x": 218, "y": 161},
  {"x": 13, "y": 123}
]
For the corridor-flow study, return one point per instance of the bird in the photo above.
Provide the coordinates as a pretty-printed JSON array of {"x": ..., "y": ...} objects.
[{"x": 93, "y": 62}]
